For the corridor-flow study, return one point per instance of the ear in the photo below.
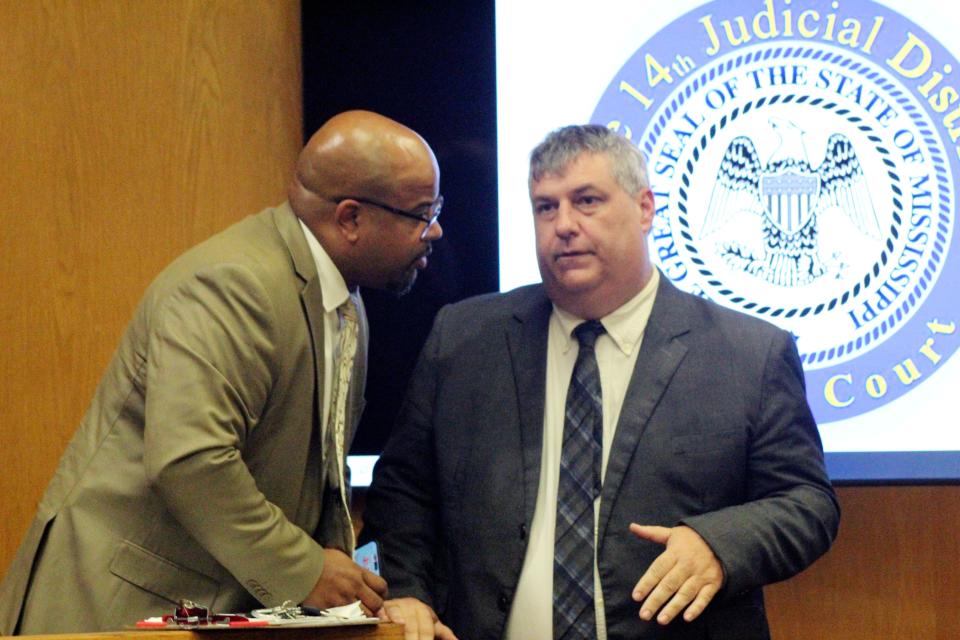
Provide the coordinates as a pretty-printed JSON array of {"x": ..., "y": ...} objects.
[
  {"x": 347, "y": 220},
  {"x": 648, "y": 209}
]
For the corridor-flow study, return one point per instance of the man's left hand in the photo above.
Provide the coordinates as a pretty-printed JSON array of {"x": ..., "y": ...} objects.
[
  {"x": 418, "y": 619},
  {"x": 685, "y": 577}
]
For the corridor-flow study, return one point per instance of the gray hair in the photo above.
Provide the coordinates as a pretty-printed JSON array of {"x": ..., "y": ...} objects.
[{"x": 562, "y": 146}]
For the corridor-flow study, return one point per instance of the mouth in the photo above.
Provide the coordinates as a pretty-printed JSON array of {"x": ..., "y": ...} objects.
[
  {"x": 421, "y": 262},
  {"x": 571, "y": 255}
]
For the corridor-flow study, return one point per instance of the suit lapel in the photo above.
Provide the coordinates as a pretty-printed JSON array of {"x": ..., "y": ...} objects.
[
  {"x": 660, "y": 355},
  {"x": 310, "y": 296},
  {"x": 327, "y": 517},
  {"x": 527, "y": 343}
]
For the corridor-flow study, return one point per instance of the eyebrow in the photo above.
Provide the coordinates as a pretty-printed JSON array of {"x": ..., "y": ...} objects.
[
  {"x": 576, "y": 191},
  {"x": 587, "y": 187}
]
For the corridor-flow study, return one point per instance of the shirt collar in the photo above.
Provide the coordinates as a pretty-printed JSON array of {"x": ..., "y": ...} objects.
[
  {"x": 333, "y": 288},
  {"x": 625, "y": 325}
]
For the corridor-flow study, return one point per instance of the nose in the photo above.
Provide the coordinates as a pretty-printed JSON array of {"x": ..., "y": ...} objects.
[
  {"x": 432, "y": 233},
  {"x": 564, "y": 223}
]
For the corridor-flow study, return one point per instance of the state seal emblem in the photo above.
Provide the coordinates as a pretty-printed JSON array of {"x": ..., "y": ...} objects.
[{"x": 804, "y": 158}]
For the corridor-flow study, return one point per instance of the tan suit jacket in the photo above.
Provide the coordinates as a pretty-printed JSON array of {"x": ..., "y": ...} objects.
[{"x": 198, "y": 470}]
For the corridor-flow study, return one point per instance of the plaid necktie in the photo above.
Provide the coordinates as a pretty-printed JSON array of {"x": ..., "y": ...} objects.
[
  {"x": 336, "y": 423},
  {"x": 580, "y": 461}
]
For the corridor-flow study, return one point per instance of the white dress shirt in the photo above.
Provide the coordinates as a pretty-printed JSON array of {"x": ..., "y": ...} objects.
[{"x": 531, "y": 615}]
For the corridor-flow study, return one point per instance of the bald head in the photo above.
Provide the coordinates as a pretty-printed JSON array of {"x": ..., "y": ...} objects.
[
  {"x": 352, "y": 177},
  {"x": 358, "y": 153}
]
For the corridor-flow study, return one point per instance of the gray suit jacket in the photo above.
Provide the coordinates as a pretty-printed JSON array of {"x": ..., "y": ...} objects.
[
  {"x": 197, "y": 471},
  {"x": 715, "y": 432}
]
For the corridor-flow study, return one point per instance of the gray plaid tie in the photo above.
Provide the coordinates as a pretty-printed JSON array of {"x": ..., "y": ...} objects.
[{"x": 580, "y": 461}]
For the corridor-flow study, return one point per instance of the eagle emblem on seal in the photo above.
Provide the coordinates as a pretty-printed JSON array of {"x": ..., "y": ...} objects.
[{"x": 790, "y": 198}]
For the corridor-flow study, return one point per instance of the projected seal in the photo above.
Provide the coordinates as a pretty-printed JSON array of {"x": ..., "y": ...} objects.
[{"x": 804, "y": 160}]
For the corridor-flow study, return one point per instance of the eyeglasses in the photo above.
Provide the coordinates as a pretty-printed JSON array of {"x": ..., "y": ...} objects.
[{"x": 434, "y": 209}]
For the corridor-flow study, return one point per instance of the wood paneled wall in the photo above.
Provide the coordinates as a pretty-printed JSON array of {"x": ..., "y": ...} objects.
[
  {"x": 129, "y": 131},
  {"x": 893, "y": 572}
]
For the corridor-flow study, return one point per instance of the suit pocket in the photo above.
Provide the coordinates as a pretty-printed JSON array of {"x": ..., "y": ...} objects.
[{"x": 161, "y": 577}]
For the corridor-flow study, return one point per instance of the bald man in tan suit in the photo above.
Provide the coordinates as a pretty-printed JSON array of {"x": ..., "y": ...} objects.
[{"x": 203, "y": 468}]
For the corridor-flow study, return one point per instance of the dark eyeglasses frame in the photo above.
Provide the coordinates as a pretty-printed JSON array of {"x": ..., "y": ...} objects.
[{"x": 435, "y": 208}]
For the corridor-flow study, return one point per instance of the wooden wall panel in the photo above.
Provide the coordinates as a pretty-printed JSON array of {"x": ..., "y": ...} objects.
[
  {"x": 128, "y": 131},
  {"x": 891, "y": 574}
]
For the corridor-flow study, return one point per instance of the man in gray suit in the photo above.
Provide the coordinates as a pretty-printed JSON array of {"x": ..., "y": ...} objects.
[
  {"x": 210, "y": 463},
  {"x": 639, "y": 476}
]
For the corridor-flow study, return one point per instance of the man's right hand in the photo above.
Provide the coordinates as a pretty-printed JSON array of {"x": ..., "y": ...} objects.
[{"x": 344, "y": 581}]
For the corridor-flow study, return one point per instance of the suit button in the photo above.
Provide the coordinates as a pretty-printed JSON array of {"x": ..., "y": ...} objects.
[
  {"x": 523, "y": 531},
  {"x": 503, "y": 602}
]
